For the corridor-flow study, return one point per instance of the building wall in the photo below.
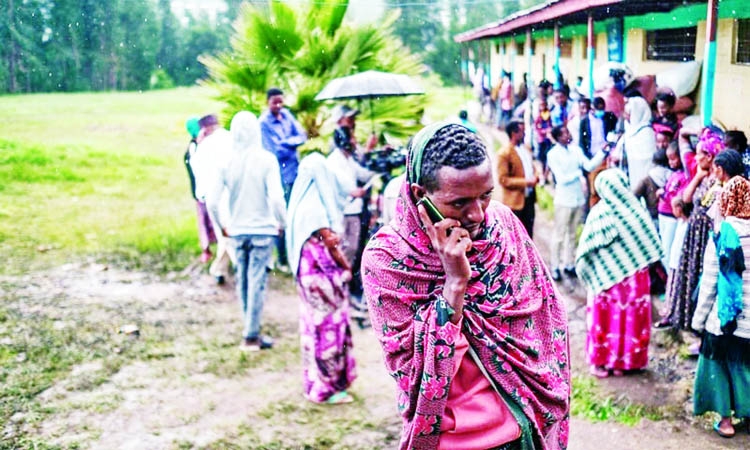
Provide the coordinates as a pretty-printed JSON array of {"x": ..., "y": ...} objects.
[
  {"x": 732, "y": 81},
  {"x": 732, "y": 86}
]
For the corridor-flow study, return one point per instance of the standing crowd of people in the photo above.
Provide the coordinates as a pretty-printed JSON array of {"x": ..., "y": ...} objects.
[
  {"x": 467, "y": 313},
  {"x": 265, "y": 208}
]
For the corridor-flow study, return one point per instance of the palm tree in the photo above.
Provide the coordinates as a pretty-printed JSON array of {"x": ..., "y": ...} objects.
[{"x": 301, "y": 51}]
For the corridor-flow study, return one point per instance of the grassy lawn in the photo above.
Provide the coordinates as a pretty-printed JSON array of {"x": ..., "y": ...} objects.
[
  {"x": 101, "y": 174},
  {"x": 97, "y": 174}
]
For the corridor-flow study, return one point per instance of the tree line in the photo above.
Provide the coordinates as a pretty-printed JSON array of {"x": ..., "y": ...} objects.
[
  {"x": 91, "y": 45},
  {"x": 427, "y": 28},
  {"x": 85, "y": 45}
]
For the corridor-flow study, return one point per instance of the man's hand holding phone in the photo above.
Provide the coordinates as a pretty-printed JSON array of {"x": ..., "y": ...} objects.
[{"x": 452, "y": 243}]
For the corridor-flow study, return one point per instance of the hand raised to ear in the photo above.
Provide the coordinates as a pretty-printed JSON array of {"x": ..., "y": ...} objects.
[{"x": 451, "y": 242}]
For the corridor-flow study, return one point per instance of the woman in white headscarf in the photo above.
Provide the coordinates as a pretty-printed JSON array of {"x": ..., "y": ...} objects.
[
  {"x": 638, "y": 144},
  {"x": 322, "y": 272}
]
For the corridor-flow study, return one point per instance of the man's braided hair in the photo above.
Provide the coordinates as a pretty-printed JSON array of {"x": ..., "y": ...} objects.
[{"x": 451, "y": 146}]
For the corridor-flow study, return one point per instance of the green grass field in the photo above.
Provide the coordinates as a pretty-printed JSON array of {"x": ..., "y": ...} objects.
[
  {"x": 97, "y": 174},
  {"x": 101, "y": 174}
]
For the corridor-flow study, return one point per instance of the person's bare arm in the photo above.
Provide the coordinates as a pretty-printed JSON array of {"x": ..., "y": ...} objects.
[{"x": 687, "y": 194}]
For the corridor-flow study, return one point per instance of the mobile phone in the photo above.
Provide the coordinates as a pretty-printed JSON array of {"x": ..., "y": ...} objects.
[{"x": 431, "y": 209}]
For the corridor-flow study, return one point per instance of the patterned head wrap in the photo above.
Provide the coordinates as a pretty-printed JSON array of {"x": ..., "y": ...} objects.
[
  {"x": 711, "y": 141},
  {"x": 619, "y": 237},
  {"x": 735, "y": 198}
]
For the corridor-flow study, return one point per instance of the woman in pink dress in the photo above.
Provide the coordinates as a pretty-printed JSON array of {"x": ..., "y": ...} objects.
[
  {"x": 322, "y": 272},
  {"x": 618, "y": 243}
]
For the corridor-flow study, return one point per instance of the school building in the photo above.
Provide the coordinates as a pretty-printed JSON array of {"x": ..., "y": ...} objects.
[{"x": 649, "y": 36}]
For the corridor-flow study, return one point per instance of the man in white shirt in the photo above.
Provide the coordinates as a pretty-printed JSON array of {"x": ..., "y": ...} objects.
[
  {"x": 257, "y": 215},
  {"x": 566, "y": 161},
  {"x": 212, "y": 154},
  {"x": 348, "y": 173}
]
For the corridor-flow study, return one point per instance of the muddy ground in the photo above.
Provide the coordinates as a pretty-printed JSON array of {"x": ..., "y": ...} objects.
[{"x": 183, "y": 383}]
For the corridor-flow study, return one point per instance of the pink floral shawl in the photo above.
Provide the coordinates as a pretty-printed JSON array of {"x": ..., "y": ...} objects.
[{"x": 513, "y": 318}]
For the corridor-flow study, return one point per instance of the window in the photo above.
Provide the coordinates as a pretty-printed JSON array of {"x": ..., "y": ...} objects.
[
  {"x": 566, "y": 48},
  {"x": 676, "y": 44},
  {"x": 519, "y": 47},
  {"x": 743, "y": 42}
]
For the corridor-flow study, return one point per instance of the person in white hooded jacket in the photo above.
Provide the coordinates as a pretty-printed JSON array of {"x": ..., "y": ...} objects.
[{"x": 257, "y": 215}]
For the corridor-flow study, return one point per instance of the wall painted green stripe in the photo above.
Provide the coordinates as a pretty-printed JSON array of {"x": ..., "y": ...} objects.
[
  {"x": 683, "y": 16},
  {"x": 686, "y": 16}
]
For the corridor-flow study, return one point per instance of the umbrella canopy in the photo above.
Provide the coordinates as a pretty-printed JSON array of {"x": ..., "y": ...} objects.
[{"x": 368, "y": 85}]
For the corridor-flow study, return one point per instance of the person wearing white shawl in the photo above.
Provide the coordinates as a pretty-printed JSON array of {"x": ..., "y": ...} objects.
[
  {"x": 322, "y": 273},
  {"x": 638, "y": 144},
  {"x": 256, "y": 217}
]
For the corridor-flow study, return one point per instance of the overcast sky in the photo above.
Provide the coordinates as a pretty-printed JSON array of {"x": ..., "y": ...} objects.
[{"x": 359, "y": 10}]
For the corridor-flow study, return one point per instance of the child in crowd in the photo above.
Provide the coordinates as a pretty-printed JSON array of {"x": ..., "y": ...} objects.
[
  {"x": 680, "y": 213},
  {"x": 647, "y": 190},
  {"x": 665, "y": 118},
  {"x": 671, "y": 190},
  {"x": 664, "y": 137}
]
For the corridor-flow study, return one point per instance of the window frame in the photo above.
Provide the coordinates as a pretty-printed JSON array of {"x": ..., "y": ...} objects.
[
  {"x": 745, "y": 22},
  {"x": 652, "y": 55},
  {"x": 566, "y": 47}
]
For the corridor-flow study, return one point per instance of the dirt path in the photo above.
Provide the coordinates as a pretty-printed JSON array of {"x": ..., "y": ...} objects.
[{"x": 184, "y": 384}]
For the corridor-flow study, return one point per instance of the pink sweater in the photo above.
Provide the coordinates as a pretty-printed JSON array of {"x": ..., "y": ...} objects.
[{"x": 475, "y": 415}]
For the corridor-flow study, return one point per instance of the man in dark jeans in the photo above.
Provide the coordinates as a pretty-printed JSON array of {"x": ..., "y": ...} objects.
[{"x": 257, "y": 213}]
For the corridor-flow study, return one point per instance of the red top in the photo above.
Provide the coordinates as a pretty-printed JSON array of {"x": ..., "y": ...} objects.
[{"x": 475, "y": 416}]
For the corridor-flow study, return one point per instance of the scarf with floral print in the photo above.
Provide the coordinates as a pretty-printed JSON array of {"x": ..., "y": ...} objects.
[{"x": 513, "y": 319}]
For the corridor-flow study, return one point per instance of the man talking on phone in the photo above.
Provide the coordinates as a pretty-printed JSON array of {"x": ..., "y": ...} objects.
[{"x": 463, "y": 306}]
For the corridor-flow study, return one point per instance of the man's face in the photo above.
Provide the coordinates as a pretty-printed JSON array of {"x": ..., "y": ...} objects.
[
  {"x": 518, "y": 135},
  {"x": 561, "y": 98},
  {"x": 347, "y": 121},
  {"x": 275, "y": 103},
  {"x": 209, "y": 130},
  {"x": 583, "y": 108},
  {"x": 464, "y": 195},
  {"x": 564, "y": 136}
]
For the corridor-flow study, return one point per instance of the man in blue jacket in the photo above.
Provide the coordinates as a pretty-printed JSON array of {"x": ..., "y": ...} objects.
[{"x": 282, "y": 134}]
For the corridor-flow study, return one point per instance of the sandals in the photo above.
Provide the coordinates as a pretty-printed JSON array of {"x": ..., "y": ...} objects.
[
  {"x": 722, "y": 433},
  {"x": 339, "y": 398},
  {"x": 599, "y": 372},
  {"x": 602, "y": 372}
]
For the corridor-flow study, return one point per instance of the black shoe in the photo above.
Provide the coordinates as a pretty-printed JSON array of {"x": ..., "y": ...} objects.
[
  {"x": 556, "y": 275},
  {"x": 256, "y": 344},
  {"x": 570, "y": 272},
  {"x": 220, "y": 280}
]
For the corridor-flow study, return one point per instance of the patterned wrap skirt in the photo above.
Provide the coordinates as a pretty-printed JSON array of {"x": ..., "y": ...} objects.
[
  {"x": 619, "y": 324},
  {"x": 325, "y": 335},
  {"x": 685, "y": 280}
]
